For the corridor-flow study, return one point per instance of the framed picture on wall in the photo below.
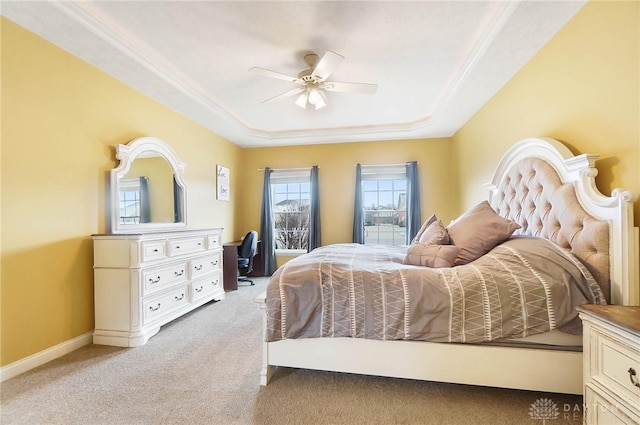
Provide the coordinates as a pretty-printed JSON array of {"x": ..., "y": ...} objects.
[{"x": 222, "y": 183}]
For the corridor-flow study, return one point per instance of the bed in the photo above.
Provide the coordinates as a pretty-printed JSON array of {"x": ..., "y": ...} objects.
[{"x": 560, "y": 233}]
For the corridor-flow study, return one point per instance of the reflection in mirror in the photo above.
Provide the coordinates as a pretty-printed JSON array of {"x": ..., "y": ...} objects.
[
  {"x": 134, "y": 201},
  {"x": 146, "y": 192},
  {"x": 147, "y": 188}
]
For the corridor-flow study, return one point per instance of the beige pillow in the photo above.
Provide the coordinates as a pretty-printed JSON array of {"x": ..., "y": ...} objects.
[
  {"x": 479, "y": 230},
  {"x": 435, "y": 234},
  {"x": 436, "y": 256},
  {"x": 424, "y": 226},
  {"x": 432, "y": 249}
]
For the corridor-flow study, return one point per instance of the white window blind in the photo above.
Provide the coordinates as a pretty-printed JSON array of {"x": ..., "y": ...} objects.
[
  {"x": 295, "y": 175},
  {"x": 384, "y": 172}
]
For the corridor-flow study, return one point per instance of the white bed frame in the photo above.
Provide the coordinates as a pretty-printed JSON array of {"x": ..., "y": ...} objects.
[{"x": 535, "y": 369}]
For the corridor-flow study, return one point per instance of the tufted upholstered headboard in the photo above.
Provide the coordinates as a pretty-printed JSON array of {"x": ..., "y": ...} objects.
[
  {"x": 532, "y": 195},
  {"x": 551, "y": 194}
]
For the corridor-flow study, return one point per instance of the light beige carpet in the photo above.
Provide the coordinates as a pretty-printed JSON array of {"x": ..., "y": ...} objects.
[{"x": 204, "y": 367}]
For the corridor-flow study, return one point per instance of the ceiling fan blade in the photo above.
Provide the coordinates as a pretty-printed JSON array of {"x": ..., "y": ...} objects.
[
  {"x": 274, "y": 74},
  {"x": 351, "y": 87},
  {"x": 329, "y": 62},
  {"x": 289, "y": 93}
]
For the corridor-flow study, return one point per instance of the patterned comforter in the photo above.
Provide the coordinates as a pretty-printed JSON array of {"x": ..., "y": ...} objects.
[{"x": 522, "y": 287}]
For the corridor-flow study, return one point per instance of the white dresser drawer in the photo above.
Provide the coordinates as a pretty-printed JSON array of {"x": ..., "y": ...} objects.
[
  {"x": 156, "y": 307},
  {"x": 153, "y": 250},
  {"x": 611, "y": 353},
  {"x": 618, "y": 368},
  {"x": 202, "y": 265},
  {"x": 214, "y": 241},
  {"x": 186, "y": 245},
  {"x": 203, "y": 287},
  {"x": 601, "y": 411},
  {"x": 158, "y": 278}
]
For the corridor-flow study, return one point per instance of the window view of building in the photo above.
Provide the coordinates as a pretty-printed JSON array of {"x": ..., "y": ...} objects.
[
  {"x": 384, "y": 191},
  {"x": 130, "y": 207},
  {"x": 291, "y": 201},
  {"x": 129, "y": 199}
]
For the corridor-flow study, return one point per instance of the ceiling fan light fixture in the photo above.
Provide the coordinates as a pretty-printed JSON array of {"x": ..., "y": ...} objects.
[
  {"x": 301, "y": 101},
  {"x": 314, "y": 96},
  {"x": 322, "y": 100},
  {"x": 312, "y": 82}
]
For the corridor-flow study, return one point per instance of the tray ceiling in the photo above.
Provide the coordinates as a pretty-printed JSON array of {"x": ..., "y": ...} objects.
[{"x": 435, "y": 62}]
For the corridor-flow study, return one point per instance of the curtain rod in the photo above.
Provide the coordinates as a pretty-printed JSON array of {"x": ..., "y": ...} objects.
[{"x": 288, "y": 169}]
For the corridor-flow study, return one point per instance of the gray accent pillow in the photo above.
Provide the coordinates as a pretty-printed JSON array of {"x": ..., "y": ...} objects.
[
  {"x": 479, "y": 230},
  {"x": 435, "y": 234},
  {"x": 424, "y": 226},
  {"x": 432, "y": 248}
]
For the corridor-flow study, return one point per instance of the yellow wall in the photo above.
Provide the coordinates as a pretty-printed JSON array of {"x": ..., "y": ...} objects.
[
  {"x": 61, "y": 119},
  {"x": 582, "y": 88},
  {"x": 337, "y": 178}
]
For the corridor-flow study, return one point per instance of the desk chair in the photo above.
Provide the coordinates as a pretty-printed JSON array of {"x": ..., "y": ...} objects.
[{"x": 246, "y": 252}]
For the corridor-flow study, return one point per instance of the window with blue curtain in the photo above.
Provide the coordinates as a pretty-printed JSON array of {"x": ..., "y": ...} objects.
[
  {"x": 387, "y": 204},
  {"x": 294, "y": 209},
  {"x": 291, "y": 191}
]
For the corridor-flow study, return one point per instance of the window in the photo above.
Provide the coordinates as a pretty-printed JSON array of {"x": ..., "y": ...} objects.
[
  {"x": 291, "y": 191},
  {"x": 129, "y": 197},
  {"x": 384, "y": 191}
]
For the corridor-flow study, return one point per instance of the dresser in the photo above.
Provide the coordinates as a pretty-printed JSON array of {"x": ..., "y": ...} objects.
[
  {"x": 611, "y": 364},
  {"x": 145, "y": 280}
]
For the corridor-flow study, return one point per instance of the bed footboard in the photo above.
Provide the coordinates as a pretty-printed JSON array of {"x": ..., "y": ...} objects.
[{"x": 495, "y": 366}]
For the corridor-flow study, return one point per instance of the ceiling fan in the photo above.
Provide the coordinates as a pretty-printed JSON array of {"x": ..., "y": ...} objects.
[{"x": 312, "y": 83}]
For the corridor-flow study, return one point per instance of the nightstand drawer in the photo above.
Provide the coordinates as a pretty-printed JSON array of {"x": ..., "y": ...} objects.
[
  {"x": 619, "y": 367},
  {"x": 611, "y": 353},
  {"x": 601, "y": 411}
]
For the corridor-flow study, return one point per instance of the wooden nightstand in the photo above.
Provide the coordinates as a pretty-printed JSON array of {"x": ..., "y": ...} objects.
[{"x": 611, "y": 364}]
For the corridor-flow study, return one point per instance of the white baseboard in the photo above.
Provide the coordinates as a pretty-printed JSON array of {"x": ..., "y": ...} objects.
[{"x": 23, "y": 365}]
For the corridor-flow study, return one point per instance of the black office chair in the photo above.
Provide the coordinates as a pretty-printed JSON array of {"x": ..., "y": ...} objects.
[{"x": 246, "y": 252}]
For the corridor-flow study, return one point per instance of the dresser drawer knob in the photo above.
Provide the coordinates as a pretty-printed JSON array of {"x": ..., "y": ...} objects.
[
  {"x": 180, "y": 273},
  {"x": 214, "y": 263},
  {"x": 179, "y": 298},
  {"x": 152, "y": 281},
  {"x": 198, "y": 267},
  {"x": 199, "y": 289},
  {"x": 633, "y": 377},
  {"x": 151, "y": 308}
]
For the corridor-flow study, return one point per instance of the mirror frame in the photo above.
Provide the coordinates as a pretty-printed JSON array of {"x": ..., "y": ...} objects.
[{"x": 127, "y": 154}]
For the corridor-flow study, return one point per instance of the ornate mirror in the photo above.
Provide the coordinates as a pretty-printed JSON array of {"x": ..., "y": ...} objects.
[{"x": 148, "y": 192}]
